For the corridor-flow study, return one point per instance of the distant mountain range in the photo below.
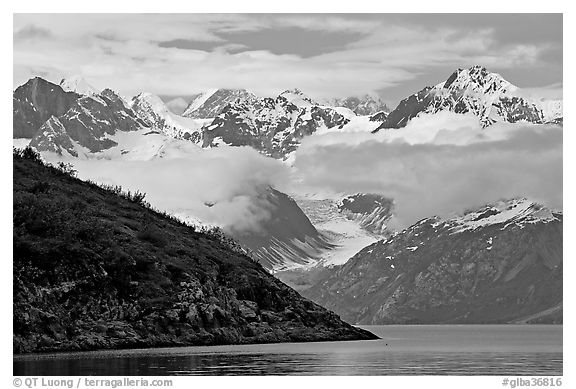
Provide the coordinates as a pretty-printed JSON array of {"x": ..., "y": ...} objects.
[
  {"x": 74, "y": 119},
  {"x": 80, "y": 120},
  {"x": 104, "y": 125},
  {"x": 478, "y": 91},
  {"x": 273, "y": 126},
  {"x": 501, "y": 263},
  {"x": 363, "y": 106},
  {"x": 211, "y": 103},
  {"x": 77, "y": 119}
]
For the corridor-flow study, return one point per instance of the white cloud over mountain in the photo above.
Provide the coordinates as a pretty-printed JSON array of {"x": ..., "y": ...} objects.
[
  {"x": 438, "y": 165},
  {"x": 217, "y": 186}
]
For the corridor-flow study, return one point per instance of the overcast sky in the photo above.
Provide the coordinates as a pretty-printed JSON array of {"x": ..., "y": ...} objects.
[{"x": 323, "y": 55}]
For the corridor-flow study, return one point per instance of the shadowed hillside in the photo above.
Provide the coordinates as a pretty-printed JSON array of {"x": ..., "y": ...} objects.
[
  {"x": 95, "y": 269},
  {"x": 501, "y": 263}
]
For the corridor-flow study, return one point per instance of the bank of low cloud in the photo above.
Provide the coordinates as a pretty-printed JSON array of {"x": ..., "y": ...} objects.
[
  {"x": 438, "y": 165},
  {"x": 216, "y": 186}
]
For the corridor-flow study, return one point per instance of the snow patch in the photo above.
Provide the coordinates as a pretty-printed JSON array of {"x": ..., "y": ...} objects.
[{"x": 78, "y": 85}]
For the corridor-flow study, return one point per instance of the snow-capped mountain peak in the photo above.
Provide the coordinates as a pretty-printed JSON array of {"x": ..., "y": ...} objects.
[
  {"x": 518, "y": 211},
  {"x": 198, "y": 101},
  {"x": 298, "y": 98},
  {"x": 514, "y": 213},
  {"x": 211, "y": 103},
  {"x": 499, "y": 263},
  {"x": 154, "y": 112},
  {"x": 481, "y": 92},
  {"x": 112, "y": 95},
  {"x": 78, "y": 85},
  {"x": 153, "y": 102},
  {"x": 477, "y": 79},
  {"x": 88, "y": 125},
  {"x": 273, "y": 126}
]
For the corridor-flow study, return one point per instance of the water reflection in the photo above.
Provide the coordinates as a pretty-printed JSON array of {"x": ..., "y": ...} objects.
[
  {"x": 422, "y": 350},
  {"x": 302, "y": 364}
]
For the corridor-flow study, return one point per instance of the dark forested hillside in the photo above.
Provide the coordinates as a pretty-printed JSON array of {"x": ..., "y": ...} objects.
[{"x": 94, "y": 269}]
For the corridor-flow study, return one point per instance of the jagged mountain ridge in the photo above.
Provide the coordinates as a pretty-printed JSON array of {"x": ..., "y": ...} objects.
[
  {"x": 498, "y": 264},
  {"x": 264, "y": 126},
  {"x": 154, "y": 112},
  {"x": 379, "y": 116},
  {"x": 77, "y": 84},
  {"x": 372, "y": 211},
  {"x": 83, "y": 124},
  {"x": 97, "y": 126},
  {"x": 273, "y": 126},
  {"x": 35, "y": 102},
  {"x": 476, "y": 90},
  {"x": 210, "y": 104},
  {"x": 93, "y": 270},
  {"x": 87, "y": 124}
]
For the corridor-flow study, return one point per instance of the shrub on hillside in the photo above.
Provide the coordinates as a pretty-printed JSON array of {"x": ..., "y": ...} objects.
[{"x": 27, "y": 153}]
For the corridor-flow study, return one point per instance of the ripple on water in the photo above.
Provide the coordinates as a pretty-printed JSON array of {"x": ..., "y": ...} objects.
[{"x": 405, "y": 350}]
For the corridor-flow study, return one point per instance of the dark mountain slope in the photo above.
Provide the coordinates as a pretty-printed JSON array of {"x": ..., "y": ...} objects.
[
  {"x": 498, "y": 264},
  {"x": 89, "y": 122},
  {"x": 286, "y": 238},
  {"x": 35, "y": 102},
  {"x": 94, "y": 270}
]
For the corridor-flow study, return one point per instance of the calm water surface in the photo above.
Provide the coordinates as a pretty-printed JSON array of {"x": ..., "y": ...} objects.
[{"x": 403, "y": 350}]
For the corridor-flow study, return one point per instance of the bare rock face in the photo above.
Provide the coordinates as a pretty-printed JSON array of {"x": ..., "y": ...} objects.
[
  {"x": 372, "y": 211},
  {"x": 286, "y": 238},
  {"x": 53, "y": 138},
  {"x": 273, "y": 126},
  {"x": 90, "y": 121},
  {"x": 212, "y": 103},
  {"x": 478, "y": 91},
  {"x": 35, "y": 102},
  {"x": 60, "y": 121},
  {"x": 407, "y": 109},
  {"x": 379, "y": 116},
  {"x": 498, "y": 264},
  {"x": 94, "y": 270}
]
